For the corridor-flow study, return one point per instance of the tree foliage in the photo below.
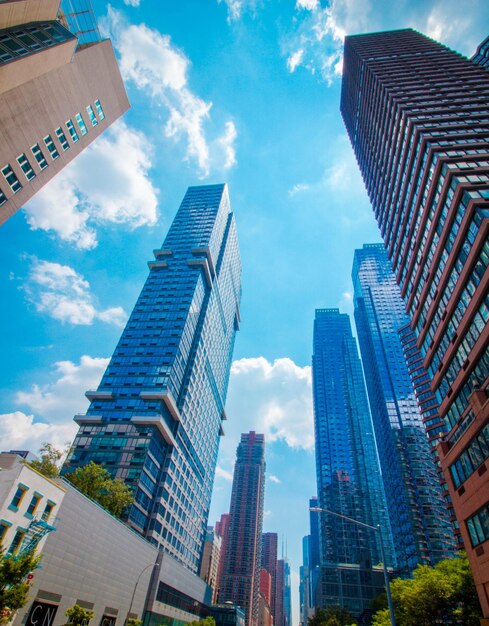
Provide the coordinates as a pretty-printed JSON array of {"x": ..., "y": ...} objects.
[
  {"x": 14, "y": 587},
  {"x": 134, "y": 622},
  {"x": 443, "y": 594},
  {"x": 48, "y": 464},
  {"x": 207, "y": 621},
  {"x": 331, "y": 616},
  {"x": 96, "y": 482},
  {"x": 78, "y": 616}
]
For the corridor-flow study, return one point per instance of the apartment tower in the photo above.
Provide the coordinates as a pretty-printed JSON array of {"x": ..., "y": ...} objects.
[
  {"x": 269, "y": 562},
  {"x": 348, "y": 473},
  {"x": 240, "y": 582},
  {"x": 416, "y": 114},
  {"x": 156, "y": 417},
  {"x": 60, "y": 87}
]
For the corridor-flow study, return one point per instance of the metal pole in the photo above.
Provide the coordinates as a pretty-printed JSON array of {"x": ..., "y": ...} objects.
[
  {"x": 135, "y": 587},
  {"x": 386, "y": 579},
  {"x": 317, "y": 509}
]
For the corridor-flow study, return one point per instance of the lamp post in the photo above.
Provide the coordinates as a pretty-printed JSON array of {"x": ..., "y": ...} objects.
[
  {"x": 317, "y": 509},
  {"x": 136, "y": 586}
]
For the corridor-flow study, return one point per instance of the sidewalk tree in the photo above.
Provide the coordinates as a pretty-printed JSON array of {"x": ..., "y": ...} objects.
[{"x": 14, "y": 588}]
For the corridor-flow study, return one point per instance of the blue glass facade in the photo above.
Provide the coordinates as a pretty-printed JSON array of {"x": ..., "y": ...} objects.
[
  {"x": 156, "y": 418},
  {"x": 347, "y": 467},
  {"x": 419, "y": 519}
]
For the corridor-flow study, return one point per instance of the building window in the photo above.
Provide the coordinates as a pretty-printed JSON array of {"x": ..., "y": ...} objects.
[
  {"x": 36, "y": 498},
  {"x": 26, "y": 167},
  {"x": 48, "y": 509},
  {"x": 100, "y": 111},
  {"x": 17, "y": 499},
  {"x": 81, "y": 124},
  {"x": 17, "y": 541},
  {"x": 91, "y": 115},
  {"x": 48, "y": 140},
  {"x": 478, "y": 526},
  {"x": 62, "y": 139},
  {"x": 73, "y": 133},
  {"x": 3, "y": 198},
  {"x": 39, "y": 156},
  {"x": 11, "y": 178},
  {"x": 4, "y": 526}
]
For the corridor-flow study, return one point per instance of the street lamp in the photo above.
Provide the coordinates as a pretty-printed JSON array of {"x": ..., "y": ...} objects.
[
  {"x": 136, "y": 586},
  {"x": 317, "y": 509}
]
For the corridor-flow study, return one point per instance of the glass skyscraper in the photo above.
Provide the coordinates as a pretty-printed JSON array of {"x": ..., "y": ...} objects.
[
  {"x": 417, "y": 511},
  {"x": 156, "y": 417},
  {"x": 416, "y": 114},
  {"x": 347, "y": 467}
]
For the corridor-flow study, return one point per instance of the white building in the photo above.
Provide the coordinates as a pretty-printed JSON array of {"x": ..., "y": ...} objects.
[{"x": 29, "y": 504}]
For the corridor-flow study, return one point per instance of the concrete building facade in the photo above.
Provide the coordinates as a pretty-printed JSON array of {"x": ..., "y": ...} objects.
[{"x": 59, "y": 90}]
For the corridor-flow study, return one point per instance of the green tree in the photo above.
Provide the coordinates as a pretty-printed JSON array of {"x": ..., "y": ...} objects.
[
  {"x": 14, "y": 588},
  {"x": 331, "y": 616},
  {"x": 48, "y": 464},
  {"x": 78, "y": 616},
  {"x": 441, "y": 594},
  {"x": 134, "y": 622},
  {"x": 207, "y": 621},
  {"x": 97, "y": 483}
]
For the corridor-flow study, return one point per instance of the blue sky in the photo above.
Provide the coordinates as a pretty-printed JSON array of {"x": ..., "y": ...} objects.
[{"x": 242, "y": 91}]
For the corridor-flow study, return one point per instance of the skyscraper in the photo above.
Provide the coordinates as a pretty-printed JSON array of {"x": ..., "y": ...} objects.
[
  {"x": 242, "y": 559},
  {"x": 156, "y": 417},
  {"x": 417, "y": 512},
  {"x": 60, "y": 87},
  {"x": 347, "y": 467},
  {"x": 279, "y": 594},
  {"x": 221, "y": 529},
  {"x": 269, "y": 562},
  {"x": 416, "y": 114},
  {"x": 211, "y": 556},
  {"x": 287, "y": 595}
]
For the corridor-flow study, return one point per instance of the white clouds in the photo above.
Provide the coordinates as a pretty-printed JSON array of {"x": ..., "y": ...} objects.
[
  {"x": 297, "y": 189},
  {"x": 53, "y": 404},
  {"x": 64, "y": 295},
  {"x": 237, "y": 7},
  {"x": 295, "y": 59},
  {"x": 319, "y": 31},
  {"x": 223, "y": 473},
  {"x": 132, "y": 3},
  {"x": 156, "y": 67},
  {"x": 107, "y": 183},
  {"x": 272, "y": 398},
  {"x": 18, "y": 431},
  {"x": 274, "y": 479}
]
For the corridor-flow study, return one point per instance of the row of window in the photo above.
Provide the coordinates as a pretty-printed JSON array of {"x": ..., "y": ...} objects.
[
  {"x": 38, "y": 154},
  {"x": 33, "y": 505},
  {"x": 471, "y": 458},
  {"x": 478, "y": 526}
]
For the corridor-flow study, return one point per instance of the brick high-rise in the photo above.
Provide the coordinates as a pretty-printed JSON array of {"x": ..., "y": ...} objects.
[
  {"x": 240, "y": 582},
  {"x": 269, "y": 562},
  {"x": 416, "y": 114},
  {"x": 60, "y": 87}
]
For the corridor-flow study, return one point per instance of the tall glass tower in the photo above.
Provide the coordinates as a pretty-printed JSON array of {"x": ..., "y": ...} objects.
[
  {"x": 347, "y": 467},
  {"x": 416, "y": 114},
  {"x": 418, "y": 515},
  {"x": 156, "y": 417}
]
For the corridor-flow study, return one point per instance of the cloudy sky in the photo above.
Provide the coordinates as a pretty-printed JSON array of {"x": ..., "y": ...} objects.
[{"x": 242, "y": 91}]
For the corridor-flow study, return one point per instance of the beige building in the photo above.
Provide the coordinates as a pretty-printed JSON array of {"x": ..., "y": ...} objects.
[
  {"x": 210, "y": 561},
  {"x": 60, "y": 87}
]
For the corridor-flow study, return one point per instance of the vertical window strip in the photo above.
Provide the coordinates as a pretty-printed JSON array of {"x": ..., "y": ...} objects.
[
  {"x": 72, "y": 131},
  {"x": 25, "y": 166},
  {"x": 3, "y": 198},
  {"x": 39, "y": 156},
  {"x": 11, "y": 178},
  {"x": 81, "y": 124},
  {"x": 91, "y": 115},
  {"x": 62, "y": 138},
  {"x": 48, "y": 140},
  {"x": 100, "y": 111}
]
